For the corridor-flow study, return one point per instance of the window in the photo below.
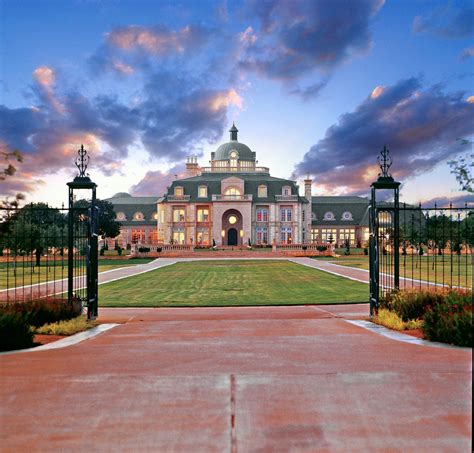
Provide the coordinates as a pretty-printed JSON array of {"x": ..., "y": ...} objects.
[
  {"x": 202, "y": 236},
  {"x": 262, "y": 215},
  {"x": 347, "y": 216},
  {"x": 329, "y": 235},
  {"x": 314, "y": 235},
  {"x": 347, "y": 233},
  {"x": 233, "y": 158},
  {"x": 154, "y": 216},
  {"x": 262, "y": 235},
  {"x": 178, "y": 215},
  {"x": 138, "y": 236},
  {"x": 178, "y": 236},
  {"x": 303, "y": 215},
  {"x": 286, "y": 190},
  {"x": 365, "y": 234},
  {"x": 138, "y": 216},
  {"x": 385, "y": 218},
  {"x": 313, "y": 216},
  {"x": 121, "y": 216},
  {"x": 262, "y": 191},
  {"x": 232, "y": 219},
  {"x": 232, "y": 193},
  {"x": 286, "y": 235},
  {"x": 203, "y": 215},
  {"x": 202, "y": 191},
  {"x": 286, "y": 214},
  {"x": 329, "y": 216},
  {"x": 178, "y": 191},
  {"x": 162, "y": 216}
]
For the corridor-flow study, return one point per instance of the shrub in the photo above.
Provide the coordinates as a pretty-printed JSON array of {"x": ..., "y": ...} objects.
[
  {"x": 42, "y": 311},
  {"x": 411, "y": 304},
  {"x": 15, "y": 333},
  {"x": 69, "y": 327},
  {"x": 321, "y": 248},
  {"x": 119, "y": 251},
  {"x": 366, "y": 251},
  {"x": 450, "y": 321},
  {"x": 144, "y": 249},
  {"x": 391, "y": 320},
  {"x": 304, "y": 247}
]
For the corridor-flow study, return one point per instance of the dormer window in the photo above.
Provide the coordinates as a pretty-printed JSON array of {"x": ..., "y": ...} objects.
[
  {"x": 262, "y": 191},
  {"x": 347, "y": 216},
  {"x": 178, "y": 191},
  {"x": 329, "y": 216},
  {"x": 138, "y": 216},
  {"x": 121, "y": 216},
  {"x": 286, "y": 190},
  {"x": 232, "y": 193},
  {"x": 202, "y": 191}
]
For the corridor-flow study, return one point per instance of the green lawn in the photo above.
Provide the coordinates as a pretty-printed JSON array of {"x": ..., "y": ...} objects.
[
  {"x": 224, "y": 283},
  {"x": 26, "y": 274},
  {"x": 423, "y": 267}
]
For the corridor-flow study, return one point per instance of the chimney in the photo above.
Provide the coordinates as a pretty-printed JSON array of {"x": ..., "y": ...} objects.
[
  {"x": 192, "y": 166},
  {"x": 307, "y": 188}
]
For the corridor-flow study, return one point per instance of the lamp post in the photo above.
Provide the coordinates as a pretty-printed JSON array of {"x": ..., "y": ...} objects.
[{"x": 223, "y": 236}]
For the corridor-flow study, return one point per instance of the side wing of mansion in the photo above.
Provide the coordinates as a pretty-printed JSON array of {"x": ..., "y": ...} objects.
[{"x": 235, "y": 202}]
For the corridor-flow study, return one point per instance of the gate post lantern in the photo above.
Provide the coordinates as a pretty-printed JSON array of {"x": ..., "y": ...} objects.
[
  {"x": 385, "y": 181},
  {"x": 83, "y": 182}
]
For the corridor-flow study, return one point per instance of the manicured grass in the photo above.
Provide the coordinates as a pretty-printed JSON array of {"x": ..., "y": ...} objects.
[
  {"x": 27, "y": 275},
  {"x": 226, "y": 283},
  {"x": 457, "y": 271}
]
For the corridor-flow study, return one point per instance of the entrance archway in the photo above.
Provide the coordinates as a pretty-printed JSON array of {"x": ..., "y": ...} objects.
[
  {"x": 232, "y": 236},
  {"x": 232, "y": 227}
]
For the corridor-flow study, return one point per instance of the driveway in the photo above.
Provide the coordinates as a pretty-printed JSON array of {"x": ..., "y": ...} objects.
[{"x": 246, "y": 379}]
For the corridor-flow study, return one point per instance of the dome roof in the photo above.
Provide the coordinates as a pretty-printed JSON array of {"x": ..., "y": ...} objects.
[
  {"x": 223, "y": 152},
  {"x": 122, "y": 195}
]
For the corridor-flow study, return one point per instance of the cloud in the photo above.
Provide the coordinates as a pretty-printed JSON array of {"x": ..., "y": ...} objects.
[
  {"x": 454, "y": 21},
  {"x": 299, "y": 37},
  {"x": 457, "y": 201},
  {"x": 419, "y": 125},
  {"x": 467, "y": 53},
  {"x": 310, "y": 91},
  {"x": 157, "y": 182}
]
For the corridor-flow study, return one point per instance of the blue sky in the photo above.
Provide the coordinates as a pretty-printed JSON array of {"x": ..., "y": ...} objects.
[{"x": 315, "y": 87}]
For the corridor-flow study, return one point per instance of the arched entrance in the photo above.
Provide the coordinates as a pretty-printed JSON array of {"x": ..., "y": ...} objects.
[
  {"x": 232, "y": 227},
  {"x": 232, "y": 236}
]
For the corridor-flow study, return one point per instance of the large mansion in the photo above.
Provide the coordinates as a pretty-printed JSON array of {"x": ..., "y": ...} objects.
[{"x": 236, "y": 202}]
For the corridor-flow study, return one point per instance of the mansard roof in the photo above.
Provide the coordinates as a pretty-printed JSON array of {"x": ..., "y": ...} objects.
[
  {"x": 251, "y": 182},
  {"x": 129, "y": 205},
  {"x": 358, "y": 207}
]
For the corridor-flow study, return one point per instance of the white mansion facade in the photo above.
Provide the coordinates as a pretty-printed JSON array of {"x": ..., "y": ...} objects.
[{"x": 236, "y": 202}]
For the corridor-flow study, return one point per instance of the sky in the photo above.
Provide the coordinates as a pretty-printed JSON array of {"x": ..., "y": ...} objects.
[{"x": 315, "y": 88}]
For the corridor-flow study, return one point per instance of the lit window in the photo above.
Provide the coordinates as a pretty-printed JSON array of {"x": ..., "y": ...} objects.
[
  {"x": 178, "y": 236},
  {"x": 178, "y": 215},
  {"x": 155, "y": 216},
  {"x": 286, "y": 235},
  {"x": 347, "y": 234},
  {"x": 232, "y": 219},
  {"x": 314, "y": 235},
  {"x": 329, "y": 216},
  {"x": 138, "y": 216},
  {"x": 202, "y": 192},
  {"x": 232, "y": 193},
  {"x": 262, "y": 191},
  {"x": 121, "y": 216},
  {"x": 262, "y": 235},
  {"x": 178, "y": 191},
  {"x": 203, "y": 215}
]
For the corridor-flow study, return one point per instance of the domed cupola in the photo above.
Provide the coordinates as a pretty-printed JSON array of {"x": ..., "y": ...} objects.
[{"x": 233, "y": 150}]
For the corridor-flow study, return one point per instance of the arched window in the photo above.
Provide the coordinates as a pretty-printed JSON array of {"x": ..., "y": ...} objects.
[
  {"x": 234, "y": 155},
  {"x": 347, "y": 216},
  {"x": 232, "y": 193},
  {"x": 138, "y": 216},
  {"x": 121, "y": 216},
  {"x": 329, "y": 216}
]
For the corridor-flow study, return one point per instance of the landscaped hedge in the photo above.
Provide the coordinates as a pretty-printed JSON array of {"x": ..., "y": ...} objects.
[
  {"x": 15, "y": 332},
  {"x": 42, "y": 311},
  {"x": 446, "y": 314}
]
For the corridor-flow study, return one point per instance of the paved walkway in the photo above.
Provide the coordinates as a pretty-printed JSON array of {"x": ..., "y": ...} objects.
[{"x": 246, "y": 379}]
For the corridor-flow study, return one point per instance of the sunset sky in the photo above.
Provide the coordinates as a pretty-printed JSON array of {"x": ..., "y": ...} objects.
[{"x": 315, "y": 87}]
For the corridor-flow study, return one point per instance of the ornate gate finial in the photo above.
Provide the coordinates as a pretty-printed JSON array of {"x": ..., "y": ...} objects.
[
  {"x": 385, "y": 162},
  {"x": 81, "y": 162}
]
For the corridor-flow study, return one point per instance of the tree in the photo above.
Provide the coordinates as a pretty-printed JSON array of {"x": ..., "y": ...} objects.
[
  {"x": 463, "y": 168},
  {"x": 108, "y": 226},
  {"x": 33, "y": 229},
  {"x": 9, "y": 170}
]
